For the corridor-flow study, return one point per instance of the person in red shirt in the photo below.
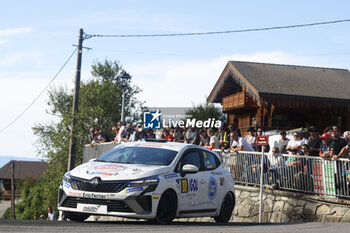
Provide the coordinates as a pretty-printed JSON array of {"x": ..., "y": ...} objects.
[{"x": 167, "y": 136}]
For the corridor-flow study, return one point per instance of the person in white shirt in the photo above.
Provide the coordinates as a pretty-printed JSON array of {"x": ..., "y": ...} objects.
[
  {"x": 121, "y": 131},
  {"x": 250, "y": 138},
  {"x": 51, "y": 215},
  {"x": 214, "y": 141},
  {"x": 239, "y": 143},
  {"x": 295, "y": 144}
]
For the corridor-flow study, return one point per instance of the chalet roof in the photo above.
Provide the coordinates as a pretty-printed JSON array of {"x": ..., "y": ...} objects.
[
  {"x": 262, "y": 79},
  {"x": 24, "y": 169}
]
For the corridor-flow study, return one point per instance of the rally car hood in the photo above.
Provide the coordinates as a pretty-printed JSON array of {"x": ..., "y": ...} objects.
[{"x": 117, "y": 171}]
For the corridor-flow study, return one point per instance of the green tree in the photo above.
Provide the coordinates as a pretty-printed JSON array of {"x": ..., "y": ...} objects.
[
  {"x": 204, "y": 111},
  {"x": 99, "y": 107}
]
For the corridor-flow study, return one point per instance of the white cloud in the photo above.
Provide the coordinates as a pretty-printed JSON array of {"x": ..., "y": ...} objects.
[
  {"x": 32, "y": 57},
  {"x": 15, "y": 31},
  {"x": 3, "y": 41}
]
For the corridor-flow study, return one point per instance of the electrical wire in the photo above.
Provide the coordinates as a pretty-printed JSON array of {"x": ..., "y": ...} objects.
[
  {"x": 26, "y": 109},
  {"x": 88, "y": 36}
]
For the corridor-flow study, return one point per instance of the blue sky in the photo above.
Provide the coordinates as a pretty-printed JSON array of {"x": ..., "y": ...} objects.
[{"x": 36, "y": 38}]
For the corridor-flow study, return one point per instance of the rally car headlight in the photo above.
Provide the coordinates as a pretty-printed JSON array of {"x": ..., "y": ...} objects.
[
  {"x": 67, "y": 177},
  {"x": 145, "y": 182}
]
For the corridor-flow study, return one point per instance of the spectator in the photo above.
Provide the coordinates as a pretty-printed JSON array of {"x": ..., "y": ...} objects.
[
  {"x": 344, "y": 153},
  {"x": 337, "y": 143},
  {"x": 101, "y": 137},
  {"x": 142, "y": 134},
  {"x": 136, "y": 133},
  {"x": 314, "y": 141},
  {"x": 214, "y": 141},
  {"x": 294, "y": 145},
  {"x": 304, "y": 177},
  {"x": 232, "y": 128},
  {"x": 150, "y": 134},
  {"x": 276, "y": 168},
  {"x": 259, "y": 148},
  {"x": 224, "y": 136},
  {"x": 129, "y": 133},
  {"x": 239, "y": 143},
  {"x": 91, "y": 135},
  {"x": 192, "y": 136},
  {"x": 205, "y": 139},
  {"x": 51, "y": 215},
  {"x": 302, "y": 138},
  {"x": 116, "y": 131},
  {"x": 250, "y": 138},
  {"x": 324, "y": 148},
  {"x": 122, "y": 131},
  {"x": 167, "y": 136},
  {"x": 283, "y": 142},
  {"x": 179, "y": 136}
]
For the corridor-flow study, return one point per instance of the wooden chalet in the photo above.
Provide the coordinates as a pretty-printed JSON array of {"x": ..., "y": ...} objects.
[
  {"x": 275, "y": 96},
  {"x": 22, "y": 170}
]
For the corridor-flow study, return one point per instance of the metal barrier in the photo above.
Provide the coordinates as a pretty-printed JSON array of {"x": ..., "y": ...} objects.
[{"x": 307, "y": 174}]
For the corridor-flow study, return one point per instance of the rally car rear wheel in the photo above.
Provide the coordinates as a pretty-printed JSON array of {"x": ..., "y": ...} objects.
[
  {"x": 227, "y": 207},
  {"x": 167, "y": 207},
  {"x": 77, "y": 217}
]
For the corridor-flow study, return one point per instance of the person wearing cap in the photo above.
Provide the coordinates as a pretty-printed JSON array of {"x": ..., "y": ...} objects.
[
  {"x": 251, "y": 138},
  {"x": 324, "y": 148},
  {"x": 283, "y": 142},
  {"x": 337, "y": 143},
  {"x": 257, "y": 148},
  {"x": 314, "y": 141},
  {"x": 335, "y": 147}
]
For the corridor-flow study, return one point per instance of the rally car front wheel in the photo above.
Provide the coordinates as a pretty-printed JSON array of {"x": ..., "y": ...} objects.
[{"x": 167, "y": 207}]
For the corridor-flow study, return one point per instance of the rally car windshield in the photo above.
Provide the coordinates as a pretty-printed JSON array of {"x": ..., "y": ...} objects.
[{"x": 139, "y": 155}]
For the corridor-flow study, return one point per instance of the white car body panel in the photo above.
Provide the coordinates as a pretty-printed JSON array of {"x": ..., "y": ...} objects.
[{"x": 198, "y": 194}]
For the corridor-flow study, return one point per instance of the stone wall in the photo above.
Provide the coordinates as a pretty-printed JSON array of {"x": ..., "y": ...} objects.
[{"x": 283, "y": 206}]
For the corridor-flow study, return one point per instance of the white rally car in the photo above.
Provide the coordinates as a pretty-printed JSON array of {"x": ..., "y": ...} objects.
[{"x": 154, "y": 180}]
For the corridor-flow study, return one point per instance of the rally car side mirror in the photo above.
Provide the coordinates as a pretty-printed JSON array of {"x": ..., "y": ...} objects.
[{"x": 189, "y": 168}]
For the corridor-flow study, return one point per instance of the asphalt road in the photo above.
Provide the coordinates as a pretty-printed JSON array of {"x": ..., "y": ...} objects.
[{"x": 184, "y": 227}]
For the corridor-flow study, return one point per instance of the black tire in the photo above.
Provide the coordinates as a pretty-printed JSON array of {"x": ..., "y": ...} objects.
[
  {"x": 167, "y": 207},
  {"x": 77, "y": 217},
  {"x": 226, "y": 210}
]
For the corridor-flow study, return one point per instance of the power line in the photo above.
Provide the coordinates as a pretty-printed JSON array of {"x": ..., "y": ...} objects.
[
  {"x": 88, "y": 36},
  {"x": 59, "y": 71}
]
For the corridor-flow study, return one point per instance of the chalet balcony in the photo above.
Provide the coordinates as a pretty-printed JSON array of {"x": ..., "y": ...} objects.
[{"x": 237, "y": 101}]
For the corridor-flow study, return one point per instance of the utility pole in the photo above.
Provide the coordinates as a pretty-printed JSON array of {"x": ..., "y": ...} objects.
[
  {"x": 13, "y": 215},
  {"x": 75, "y": 108}
]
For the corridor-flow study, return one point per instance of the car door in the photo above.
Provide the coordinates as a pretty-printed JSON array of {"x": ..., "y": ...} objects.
[
  {"x": 192, "y": 186},
  {"x": 213, "y": 178}
]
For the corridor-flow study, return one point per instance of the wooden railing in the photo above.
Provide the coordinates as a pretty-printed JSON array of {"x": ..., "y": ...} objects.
[{"x": 238, "y": 100}]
